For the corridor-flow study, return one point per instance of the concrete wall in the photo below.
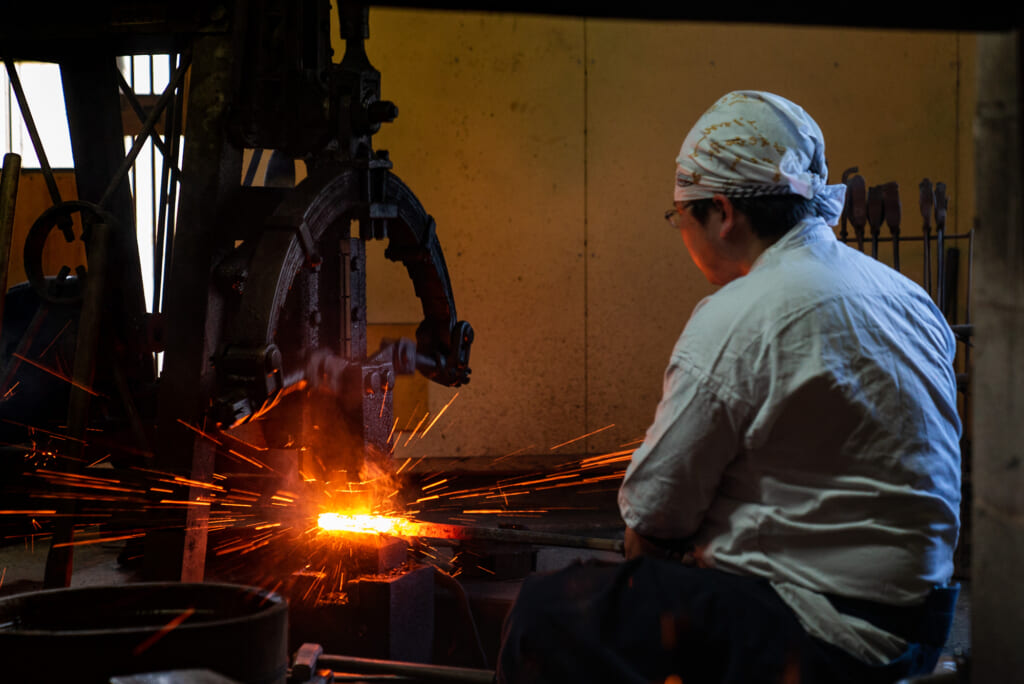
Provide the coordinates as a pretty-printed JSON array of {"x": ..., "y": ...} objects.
[
  {"x": 544, "y": 148},
  {"x": 997, "y": 603}
]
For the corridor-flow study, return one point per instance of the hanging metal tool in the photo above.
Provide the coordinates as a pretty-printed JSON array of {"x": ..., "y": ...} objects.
[
  {"x": 893, "y": 211},
  {"x": 856, "y": 191},
  {"x": 876, "y": 212},
  {"x": 844, "y": 217},
  {"x": 927, "y": 203},
  {"x": 941, "y": 204}
]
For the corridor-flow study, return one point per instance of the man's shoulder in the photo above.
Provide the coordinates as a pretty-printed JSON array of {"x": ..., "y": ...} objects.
[{"x": 804, "y": 284}]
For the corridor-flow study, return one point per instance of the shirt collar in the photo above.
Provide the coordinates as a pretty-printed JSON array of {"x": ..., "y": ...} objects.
[{"x": 810, "y": 229}]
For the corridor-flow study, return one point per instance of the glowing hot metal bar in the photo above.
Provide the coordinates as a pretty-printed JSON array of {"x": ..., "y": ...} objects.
[{"x": 404, "y": 527}]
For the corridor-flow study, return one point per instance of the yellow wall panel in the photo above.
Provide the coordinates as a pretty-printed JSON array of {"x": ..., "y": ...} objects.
[
  {"x": 544, "y": 146},
  {"x": 489, "y": 137}
]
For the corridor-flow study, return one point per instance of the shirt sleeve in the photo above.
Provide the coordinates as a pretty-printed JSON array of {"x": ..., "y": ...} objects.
[{"x": 673, "y": 476}]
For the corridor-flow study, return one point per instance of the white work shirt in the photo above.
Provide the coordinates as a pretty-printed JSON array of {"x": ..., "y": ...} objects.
[{"x": 808, "y": 430}]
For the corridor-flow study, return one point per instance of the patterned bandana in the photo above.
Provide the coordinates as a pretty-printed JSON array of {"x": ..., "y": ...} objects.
[{"x": 753, "y": 143}]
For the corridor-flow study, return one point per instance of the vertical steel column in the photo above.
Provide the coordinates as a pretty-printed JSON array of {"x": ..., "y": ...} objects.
[{"x": 211, "y": 168}]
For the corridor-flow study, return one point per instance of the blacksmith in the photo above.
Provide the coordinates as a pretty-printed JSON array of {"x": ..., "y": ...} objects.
[{"x": 792, "y": 513}]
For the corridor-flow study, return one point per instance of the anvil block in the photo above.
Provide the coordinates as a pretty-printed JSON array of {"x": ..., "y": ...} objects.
[{"x": 388, "y": 615}]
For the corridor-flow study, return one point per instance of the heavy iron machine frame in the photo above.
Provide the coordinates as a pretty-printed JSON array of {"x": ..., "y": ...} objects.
[{"x": 265, "y": 303}]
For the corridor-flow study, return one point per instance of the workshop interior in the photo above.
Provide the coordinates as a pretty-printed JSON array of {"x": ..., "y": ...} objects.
[{"x": 327, "y": 323}]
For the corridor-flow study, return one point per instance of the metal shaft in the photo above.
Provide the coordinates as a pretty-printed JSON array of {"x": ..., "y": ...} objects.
[
  {"x": 469, "y": 533},
  {"x": 927, "y": 204},
  {"x": 421, "y": 673},
  {"x": 33, "y": 132},
  {"x": 941, "y": 204}
]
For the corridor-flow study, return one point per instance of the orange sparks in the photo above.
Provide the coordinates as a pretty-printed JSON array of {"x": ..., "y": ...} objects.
[
  {"x": 194, "y": 483},
  {"x": 199, "y": 432},
  {"x": 415, "y": 429},
  {"x": 439, "y": 414},
  {"x": 606, "y": 459},
  {"x": 97, "y": 462},
  {"x": 100, "y": 540},
  {"x": 245, "y": 458},
  {"x": 57, "y": 374},
  {"x": 164, "y": 631},
  {"x": 393, "y": 426},
  {"x": 513, "y": 453},
  {"x": 576, "y": 439}
]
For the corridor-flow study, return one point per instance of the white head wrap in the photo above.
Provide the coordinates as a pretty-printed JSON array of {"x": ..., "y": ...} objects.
[{"x": 753, "y": 143}]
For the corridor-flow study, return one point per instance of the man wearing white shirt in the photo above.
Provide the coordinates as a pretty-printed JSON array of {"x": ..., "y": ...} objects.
[{"x": 803, "y": 462}]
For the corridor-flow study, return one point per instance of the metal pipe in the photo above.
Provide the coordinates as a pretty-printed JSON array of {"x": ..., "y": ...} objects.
[{"x": 443, "y": 674}]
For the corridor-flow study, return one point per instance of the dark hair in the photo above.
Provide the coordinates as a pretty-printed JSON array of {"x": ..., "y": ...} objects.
[{"x": 771, "y": 216}]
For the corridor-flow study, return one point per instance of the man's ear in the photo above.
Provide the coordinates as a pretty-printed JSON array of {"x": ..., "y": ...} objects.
[{"x": 728, "y": 211}]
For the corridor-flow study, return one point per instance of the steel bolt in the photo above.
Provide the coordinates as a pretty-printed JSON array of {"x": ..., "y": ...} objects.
[{"x": 373, "y": 382}]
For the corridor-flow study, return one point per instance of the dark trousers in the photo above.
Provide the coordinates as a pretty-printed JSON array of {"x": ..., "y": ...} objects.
[{"x": 653, "y": 620}]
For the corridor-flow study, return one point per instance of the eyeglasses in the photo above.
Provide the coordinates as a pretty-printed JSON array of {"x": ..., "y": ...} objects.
[{"x": 674, "y": 216}]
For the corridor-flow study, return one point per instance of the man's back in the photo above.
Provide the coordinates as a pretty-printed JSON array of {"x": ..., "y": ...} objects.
[{"x": 838, "y": 375}]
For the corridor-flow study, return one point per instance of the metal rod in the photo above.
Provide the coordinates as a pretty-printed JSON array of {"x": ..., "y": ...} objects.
[
  {"x": 147, "y": 130},
  {"x": 941, "y": 204},
  {"x": 893, "y": 214},
  {"x": 170, "y": 194},
  {"x": 470, "y": 533},
  {"x": 9, "y": 177},
  {"x": 33, "y": 132},
  {"x": 133, "y": 102},
  {"x": 875, "y": 215},
  {"x": 59, "y": 560},
  {"x": 160, "y": 225},
  {"x": 926, "y": 203},
  {"x": 254, "y": 163},
  {"x": 423, "y": 673}
]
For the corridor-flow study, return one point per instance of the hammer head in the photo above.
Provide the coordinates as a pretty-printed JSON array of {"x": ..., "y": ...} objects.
[{"x": 856, "y": 191}]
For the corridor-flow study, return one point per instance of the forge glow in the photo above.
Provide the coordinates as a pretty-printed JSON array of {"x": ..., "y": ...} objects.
[{"x": 367, "y": 524}]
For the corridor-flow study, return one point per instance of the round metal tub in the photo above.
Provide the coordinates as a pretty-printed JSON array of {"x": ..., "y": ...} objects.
[{"x": 93, "y": 633}]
